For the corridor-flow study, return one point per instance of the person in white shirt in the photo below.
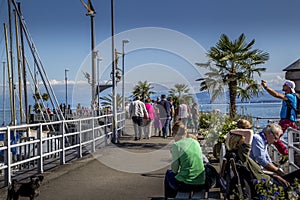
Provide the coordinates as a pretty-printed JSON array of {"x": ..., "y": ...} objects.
[{"x": 137, "y": 111}]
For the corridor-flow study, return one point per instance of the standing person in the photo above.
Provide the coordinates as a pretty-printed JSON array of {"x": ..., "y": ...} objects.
[
  {"x": 287, "y": 113},
  {"x": 187, "y": 168},
  {"x": 137, "y": 112},
  {"x": 183, "y": 112},
  {"x": 165, "y": 114},
  {"x": 151, "y": 115},
  {"x": 259, "y": 151},
  {"x": 172, "y": 112},
  {"x": 195, "y": 116},
  {"x": 157, "y": 122}
]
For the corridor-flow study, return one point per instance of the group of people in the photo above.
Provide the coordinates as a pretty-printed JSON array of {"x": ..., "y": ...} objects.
[
  {"x": 145, "y": 115},
  {"x": 188, "y": 169},
  {"x": 159, "y": 115}
]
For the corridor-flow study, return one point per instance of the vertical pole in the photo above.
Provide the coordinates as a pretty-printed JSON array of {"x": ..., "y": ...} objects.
[
  {"x": 66, "y": 83},
  {"x": 3, "y": 93},
  {"x": 98, "y": 90},
  {"x": 123, "y": 81},
  {"x": 13, "y": 107},
  {"x": 115, "y": 136},
  {"x": 23, "y": 67},
  {"x": 94, "y": 53},
  {"x": 9, "y": 72},
  {"x": 19, "y": 67}
]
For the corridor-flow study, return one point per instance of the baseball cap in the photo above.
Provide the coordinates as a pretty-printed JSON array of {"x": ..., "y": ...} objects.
[{"x": 291, "y": 85}]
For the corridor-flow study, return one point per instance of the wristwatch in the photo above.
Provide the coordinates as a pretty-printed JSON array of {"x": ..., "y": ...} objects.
[{"x": 280, "y": 170}]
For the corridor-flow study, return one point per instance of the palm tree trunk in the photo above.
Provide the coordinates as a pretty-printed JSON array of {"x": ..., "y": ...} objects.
[{"x": 232, "y": 99}]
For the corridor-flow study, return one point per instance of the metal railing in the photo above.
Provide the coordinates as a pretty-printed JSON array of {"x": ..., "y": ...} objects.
[{"x": 33, "y": 146}]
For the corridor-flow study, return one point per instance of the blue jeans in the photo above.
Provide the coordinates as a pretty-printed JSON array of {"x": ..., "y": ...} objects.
[{"x": 165, "y": 128}]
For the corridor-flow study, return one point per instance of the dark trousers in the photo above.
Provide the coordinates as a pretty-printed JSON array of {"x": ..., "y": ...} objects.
[{"x": 172, "y": 185}]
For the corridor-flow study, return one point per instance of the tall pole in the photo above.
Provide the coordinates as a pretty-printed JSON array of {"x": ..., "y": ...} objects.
[
  {"x": 23, "y": 67},
  {"x": 98, "y": 80},
  {"x": 123, "y": 73},
  {"x": 115, "y": 139},
  {"x": 94, "y": 56},
  {"x": 66, "y": 83},
  {"x": 3, "y": 93},
  {"x": 13, "y": 106}
]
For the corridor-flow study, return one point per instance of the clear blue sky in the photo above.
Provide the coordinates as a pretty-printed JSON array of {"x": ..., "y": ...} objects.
[{"x": 61, "y": 30}]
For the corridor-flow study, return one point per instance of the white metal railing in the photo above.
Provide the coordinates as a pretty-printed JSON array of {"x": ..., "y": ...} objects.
[{"x": 36, "y": 144}]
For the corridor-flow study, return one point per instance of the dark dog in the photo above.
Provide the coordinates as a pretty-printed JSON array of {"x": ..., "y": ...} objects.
[{"x": 29, "y": 189}]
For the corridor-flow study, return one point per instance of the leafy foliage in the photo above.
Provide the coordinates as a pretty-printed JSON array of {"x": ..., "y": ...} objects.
[
  {"x": 143, "y": 89},
  {"x": 234, "y": 67},
  {"x": 268, "y": 191}
]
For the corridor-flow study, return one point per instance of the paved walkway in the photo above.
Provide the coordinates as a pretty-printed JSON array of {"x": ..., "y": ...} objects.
[
  {"x": 130, "y": 170},
  {"x": 112, "y": 173}
]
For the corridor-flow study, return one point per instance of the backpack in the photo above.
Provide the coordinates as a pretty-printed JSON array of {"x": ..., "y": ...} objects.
[{"x": 297, "y": 109}]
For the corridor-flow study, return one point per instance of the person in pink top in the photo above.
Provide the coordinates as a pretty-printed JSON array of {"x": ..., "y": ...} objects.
[{"x": 151, "y": 115}]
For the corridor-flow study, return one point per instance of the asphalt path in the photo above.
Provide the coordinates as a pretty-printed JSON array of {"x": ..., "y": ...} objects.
[{"x": 131, "y": 170}]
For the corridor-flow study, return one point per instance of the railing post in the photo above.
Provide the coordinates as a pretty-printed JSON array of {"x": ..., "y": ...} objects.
[
  {"x": 80, "y": 141},
  {"x": 105, "y": 130},
  {"x": 40, "y": 150},
  {"x": 291, "y": 150},
  {"x": 7, "y": 158},
  {"x": 93, "y": 134},
  {"x": 62, "y": 145}
]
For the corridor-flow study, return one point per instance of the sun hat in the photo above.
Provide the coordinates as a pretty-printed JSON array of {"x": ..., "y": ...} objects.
[
  {"x": 291, "y": 85},
  {"x": 243, "y": 123}
]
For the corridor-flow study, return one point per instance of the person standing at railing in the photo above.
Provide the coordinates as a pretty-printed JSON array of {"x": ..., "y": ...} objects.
[{"x": 287, "y": 113}]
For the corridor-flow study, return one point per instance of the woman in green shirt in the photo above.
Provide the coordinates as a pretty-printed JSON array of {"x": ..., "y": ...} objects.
[{"x": 187, "y": 169}]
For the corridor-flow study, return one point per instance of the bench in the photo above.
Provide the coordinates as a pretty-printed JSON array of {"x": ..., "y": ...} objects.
[{"x": 203, "y": 194}]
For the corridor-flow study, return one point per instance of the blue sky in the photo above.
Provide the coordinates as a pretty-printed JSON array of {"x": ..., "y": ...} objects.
[{"x": 61, "y": 30}]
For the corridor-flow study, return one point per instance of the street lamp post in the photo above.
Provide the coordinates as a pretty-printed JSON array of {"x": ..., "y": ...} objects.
[
  {"x": 114, "y": 99},
  {"x": 66, "y": 82},
  {"x": 98, "y": 87},
  {"x": 123, "y": 73}
]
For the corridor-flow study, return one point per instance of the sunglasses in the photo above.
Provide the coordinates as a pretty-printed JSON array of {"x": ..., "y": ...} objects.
[{"x": 275, "y": 137}]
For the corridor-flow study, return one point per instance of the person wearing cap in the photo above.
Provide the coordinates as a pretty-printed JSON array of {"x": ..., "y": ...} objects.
[{"x": 287, "y": 114}]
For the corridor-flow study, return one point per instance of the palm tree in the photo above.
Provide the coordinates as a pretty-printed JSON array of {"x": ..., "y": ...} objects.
[
  {"x": 143, "y": 89},
  {"x": 107, "y": 100},
  {"x": 235, "y": 65},
  {"x": 179, "y": 90}
]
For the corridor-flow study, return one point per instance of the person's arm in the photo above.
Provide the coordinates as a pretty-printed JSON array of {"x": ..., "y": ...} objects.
[
  {"x": 273, "y": 92},
  {"x": 271, "y": 167},
  {"x": 175, "y": 159},
  {"x": 246, "y": 133}
]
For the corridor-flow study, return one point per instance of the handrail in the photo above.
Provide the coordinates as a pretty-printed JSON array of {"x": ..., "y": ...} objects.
[{"x": 40, "y": 146}]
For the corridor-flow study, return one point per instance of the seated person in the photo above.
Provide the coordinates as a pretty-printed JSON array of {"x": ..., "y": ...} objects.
[
  {"x": 239, "y": 141},
  {"x": 187, "y": 169},
  {"x": 259, "y": 152}
]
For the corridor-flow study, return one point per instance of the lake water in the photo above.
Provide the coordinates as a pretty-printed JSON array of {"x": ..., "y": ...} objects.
[{"x": 262, "y": 110}]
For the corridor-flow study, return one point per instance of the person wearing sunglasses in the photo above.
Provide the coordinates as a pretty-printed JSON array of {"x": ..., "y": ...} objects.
[
  {"x": 259, "y": 151},
  {"x": 288, "y": 110}
]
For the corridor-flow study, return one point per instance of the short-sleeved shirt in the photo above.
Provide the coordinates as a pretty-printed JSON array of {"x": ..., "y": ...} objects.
[
  {"x": 187, "y": 162},
  {"x": 286, "y": 112}
]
